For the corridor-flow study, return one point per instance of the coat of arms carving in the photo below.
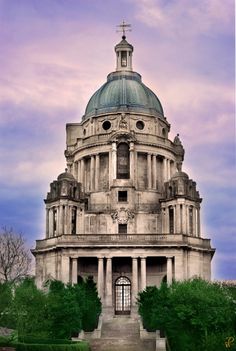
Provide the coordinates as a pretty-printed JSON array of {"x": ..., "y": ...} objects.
[{"x": 123, "y": 215}]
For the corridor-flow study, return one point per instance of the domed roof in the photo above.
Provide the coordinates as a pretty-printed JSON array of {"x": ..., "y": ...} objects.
[
  {"x": 123, "y": 90},
  {"x": 66, "y": 176},
  {"x": 180, "y": 174}
]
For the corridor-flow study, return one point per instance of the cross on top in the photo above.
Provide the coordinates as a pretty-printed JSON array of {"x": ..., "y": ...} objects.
[{"x": 124, "y": 27}]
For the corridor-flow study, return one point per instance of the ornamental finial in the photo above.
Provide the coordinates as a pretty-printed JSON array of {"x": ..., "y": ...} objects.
[{"x": 124, "y": 27}]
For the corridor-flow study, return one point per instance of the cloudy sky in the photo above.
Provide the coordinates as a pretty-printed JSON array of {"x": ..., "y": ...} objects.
[{"x": 56, "y": 53}]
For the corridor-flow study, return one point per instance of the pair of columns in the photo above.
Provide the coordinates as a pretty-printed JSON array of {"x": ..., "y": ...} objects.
[
  {"x": 166, "y": 169},
  {"x": 183, "y": 223},
  {"x": 59, "y": 220},
  {"x": 108, "y": 279},
  {"x": 78, "y": 170}
]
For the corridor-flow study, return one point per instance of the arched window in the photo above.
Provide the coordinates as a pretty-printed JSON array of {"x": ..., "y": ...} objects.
[
  {"x": 171, "y": 220},
  {"x": 73, "y": 220},
  {"x": 123, "y": 161}
]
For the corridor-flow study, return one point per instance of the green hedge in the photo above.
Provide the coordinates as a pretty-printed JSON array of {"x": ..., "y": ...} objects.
[
  {"x": 4, "y": 341},
  {"x": 31, "y": 339},
  {"x": 51, "y": 345},
  {"x": 80, "y": 346}
]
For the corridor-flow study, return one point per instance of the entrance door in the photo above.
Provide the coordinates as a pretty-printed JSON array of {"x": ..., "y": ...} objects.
[{"x": 122, "y": 296}]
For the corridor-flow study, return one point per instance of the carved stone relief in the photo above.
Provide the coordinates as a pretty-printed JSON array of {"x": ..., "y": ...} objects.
[{"x": 123, "y": 215}]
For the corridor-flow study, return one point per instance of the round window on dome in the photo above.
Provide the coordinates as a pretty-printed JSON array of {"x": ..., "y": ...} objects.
[
  {"x": 140, "y": 125},
  {"x": 106, "y": 125}
]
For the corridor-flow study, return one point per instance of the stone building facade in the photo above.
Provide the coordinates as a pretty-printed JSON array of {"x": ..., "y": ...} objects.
[{"x": 123, "y": 212}]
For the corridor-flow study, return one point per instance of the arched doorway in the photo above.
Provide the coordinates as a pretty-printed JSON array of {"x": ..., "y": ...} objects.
[{"x": 122, "y": 296}]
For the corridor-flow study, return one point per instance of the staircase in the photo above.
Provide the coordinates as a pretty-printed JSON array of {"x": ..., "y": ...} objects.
[{"x": 121, "y": 334}]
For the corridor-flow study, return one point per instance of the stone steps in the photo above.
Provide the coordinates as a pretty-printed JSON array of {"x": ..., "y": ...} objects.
[
  {"x": 121, "y": 334},
  {"x": 122, "y": 345}
]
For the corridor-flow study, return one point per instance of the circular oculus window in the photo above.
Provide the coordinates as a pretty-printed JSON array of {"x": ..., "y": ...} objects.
[
  {"x": 140, "y": 125},
  {"x": 106, "y": 125}
]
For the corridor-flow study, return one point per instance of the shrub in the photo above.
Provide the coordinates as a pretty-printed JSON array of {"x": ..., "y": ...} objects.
[{"x": 5, "y": 340}]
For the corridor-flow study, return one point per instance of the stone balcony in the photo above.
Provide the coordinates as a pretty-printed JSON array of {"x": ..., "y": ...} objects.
[{"x": 122, "y": 240}]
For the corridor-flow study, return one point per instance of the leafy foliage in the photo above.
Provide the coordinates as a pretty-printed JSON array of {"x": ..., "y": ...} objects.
[
  {"x": 63, "y": 310},
  {"x": 196, "y": 315},
  {"x": 58, "y": 312},
  {"x": 6, "y": 298}
]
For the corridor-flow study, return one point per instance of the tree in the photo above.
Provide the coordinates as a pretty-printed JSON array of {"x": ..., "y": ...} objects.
[
  {"x": 91, "y": 306},
  {"x": 29, "y": 309},
  {"x": 14, "y": 256}
]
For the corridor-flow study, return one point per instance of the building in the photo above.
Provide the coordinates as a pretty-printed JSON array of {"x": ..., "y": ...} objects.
[{"x": 123, "y": 212}]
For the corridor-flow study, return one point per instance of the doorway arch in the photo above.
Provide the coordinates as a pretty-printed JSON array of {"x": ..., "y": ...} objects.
[{"x": 122, "y": 295}]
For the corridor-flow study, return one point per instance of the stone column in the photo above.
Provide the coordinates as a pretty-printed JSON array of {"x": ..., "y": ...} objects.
[
  {"x": 131, "y": 164},
  {"x": 143, "y": 273},
  {"x": 149, "y": 170},
  {"x": 100, "y": 277},
  {"x": 76, "y": 170},
  {"x": 59, "y": 224},
  {"x": 82, "y": 173},
  {"x": 92, "y": 162},
  {"x": 164, "y": 220},
  {"x": 65, "y": 269},
  {"x": 134, "y": 280},
  {"x": 164, "y": 170},
  {"x": 184, "y": 230},
  {"x": 178, "y": 219},
  {"x": 174, "y": 214},
  {"x": 74, "y": 272},
  {"x": 97, "y": 172},
  {"x": 194, "y": 221},
  {"x": 57, "y": 221},
  {"x": 187, "y": 219},
  {"x": 169, "y": 270},
  {"x": 154, "y": 171},
  {"x": 66, "y": 220},
  {"x": 114, "y": 160},
  {"x": 50, "y": 222},
  {"x": 47, "y": 223},
  {"x": 136, "y": 169},
  {"x": 168, "y": 169},
  {"x": 168, "y": 219},
  {"x": 109, "y": 282},
  {"x": 198, "y": 223},
  {"x": 69, "y": 217},
  {"x": 79, "y": 171}
]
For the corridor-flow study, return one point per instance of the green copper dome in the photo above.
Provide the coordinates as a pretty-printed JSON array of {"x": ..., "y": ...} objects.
[{"x": 123, "y": 91}]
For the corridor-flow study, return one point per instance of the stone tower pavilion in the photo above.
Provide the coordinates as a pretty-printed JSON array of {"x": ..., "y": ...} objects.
[{"x": 123, "y": 212}]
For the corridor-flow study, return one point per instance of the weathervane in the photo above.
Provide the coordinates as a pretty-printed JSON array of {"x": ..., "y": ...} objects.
[{"x": 124, "y": 27}]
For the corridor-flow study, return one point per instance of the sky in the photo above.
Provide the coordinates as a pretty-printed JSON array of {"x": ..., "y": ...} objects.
[{"x": 56, "y": 53}]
